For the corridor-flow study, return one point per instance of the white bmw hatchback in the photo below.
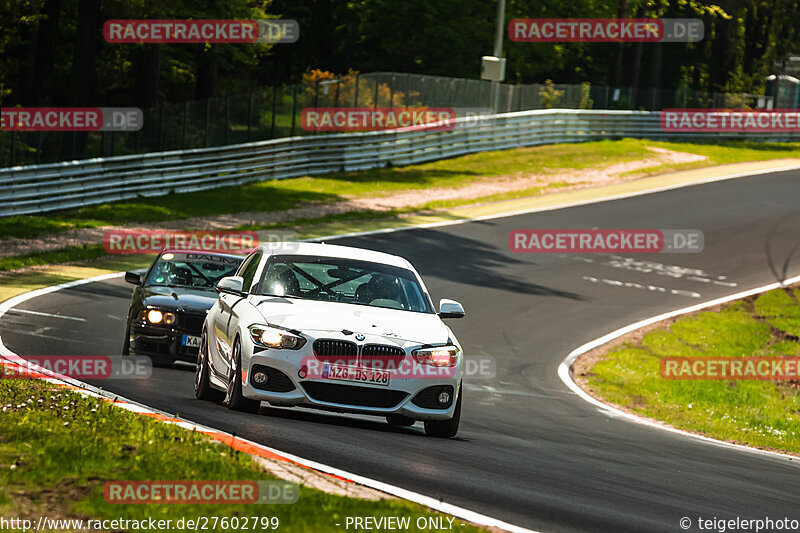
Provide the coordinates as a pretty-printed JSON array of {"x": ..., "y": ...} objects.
[{"x": 335, "y": 328}]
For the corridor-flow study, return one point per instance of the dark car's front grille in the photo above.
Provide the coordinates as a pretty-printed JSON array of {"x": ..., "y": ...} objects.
[
  {"x": 192, "y": 324},
  {"x": 336, "y": 351},
  {"x": 382, "y": 356},
  {"x": 351, "y": 395}
]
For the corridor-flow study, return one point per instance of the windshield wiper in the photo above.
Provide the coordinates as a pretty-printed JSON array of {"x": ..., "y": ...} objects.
[{"x": 280, "y": 296}]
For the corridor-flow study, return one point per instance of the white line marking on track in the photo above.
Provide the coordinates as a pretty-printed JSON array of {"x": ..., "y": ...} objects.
[
  {"x": 37, "y": 313},
  {"x": 565, "y": 370}
]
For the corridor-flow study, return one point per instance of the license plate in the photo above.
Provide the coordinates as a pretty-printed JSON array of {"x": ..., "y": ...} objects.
[
  {"x": 192, "y": 341},
  {"x": 355, "y": 374}
]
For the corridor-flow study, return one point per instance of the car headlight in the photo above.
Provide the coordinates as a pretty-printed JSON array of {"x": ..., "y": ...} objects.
[
  {"x": 275, "y": 338},
  {"x": 437, "y": 356},
  {"x": 156, "y": 316}
]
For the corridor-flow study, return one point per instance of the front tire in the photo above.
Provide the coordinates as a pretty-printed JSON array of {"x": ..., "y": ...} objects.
[
  {"x": 202, "y": 384},
  {"x": 445, "y": 429},
  {"x": 233, "y": 395}
]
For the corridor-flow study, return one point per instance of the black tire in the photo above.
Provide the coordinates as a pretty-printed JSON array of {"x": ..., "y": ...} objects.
[
  {"x": 233, "y": 396},
  {"x": 202, "y": 385},
  {"x": 445, "y": 429},
  {"x": 400, "y": 420}
]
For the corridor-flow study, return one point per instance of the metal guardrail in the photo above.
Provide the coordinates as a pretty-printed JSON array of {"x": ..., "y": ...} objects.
[{"x": 52, "y": 187}]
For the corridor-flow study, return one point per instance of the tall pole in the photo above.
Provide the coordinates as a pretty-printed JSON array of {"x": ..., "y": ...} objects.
[
  {"x": 498, "y": 36},
  {"x": 498, "y": 48}
]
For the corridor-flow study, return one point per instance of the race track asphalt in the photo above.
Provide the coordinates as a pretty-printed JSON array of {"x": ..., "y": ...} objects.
[{"x": 529, "y": 452}]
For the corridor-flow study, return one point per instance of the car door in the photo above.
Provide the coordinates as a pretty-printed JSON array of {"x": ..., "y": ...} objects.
[{"x": 226, "y": 318}]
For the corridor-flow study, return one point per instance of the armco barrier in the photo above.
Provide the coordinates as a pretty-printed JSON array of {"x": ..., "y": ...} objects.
[{"x": 44, "y": 188}]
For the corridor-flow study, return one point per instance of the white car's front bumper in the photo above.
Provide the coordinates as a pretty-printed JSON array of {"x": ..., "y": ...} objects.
[{"x": 407, "y": 393}]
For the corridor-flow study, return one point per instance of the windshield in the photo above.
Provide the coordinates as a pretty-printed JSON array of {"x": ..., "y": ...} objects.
[
  {"x": 344, "y": 280},
  {"x": 201, "y": 271}
]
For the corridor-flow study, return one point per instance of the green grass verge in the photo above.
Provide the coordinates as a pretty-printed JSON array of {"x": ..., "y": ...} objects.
[
  {"x": 757, "y": 413},
  {"x": 14, "y": 283},
  {"x": 270, "y": 196},
  {"x": 62, "y": 255},
  {"x": 58, "y": 448}
]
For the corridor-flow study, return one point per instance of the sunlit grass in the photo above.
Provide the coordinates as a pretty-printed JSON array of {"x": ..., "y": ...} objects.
[
  {"x": 58, "y": 448},
  {"x": 758, "y": 413}
]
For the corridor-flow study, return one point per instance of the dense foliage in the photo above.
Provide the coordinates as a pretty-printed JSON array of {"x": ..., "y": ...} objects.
[{"x": 52, "y": 52}]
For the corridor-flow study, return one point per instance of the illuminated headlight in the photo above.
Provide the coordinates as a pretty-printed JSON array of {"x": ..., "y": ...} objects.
[
  {"x": 277, "y": 339},
  {"x": 438, "y": 356},
  {"x": 154, "y": 316}
]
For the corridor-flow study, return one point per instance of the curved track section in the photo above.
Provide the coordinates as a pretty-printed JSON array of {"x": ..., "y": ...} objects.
[{"x": 530, "y": 452}]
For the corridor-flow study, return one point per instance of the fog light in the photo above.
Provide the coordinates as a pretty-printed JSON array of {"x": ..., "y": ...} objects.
[
  {"x": 259, "y": 378},
  {"x": 444, "y": 398},
  {"x": 303, "y": 372}
]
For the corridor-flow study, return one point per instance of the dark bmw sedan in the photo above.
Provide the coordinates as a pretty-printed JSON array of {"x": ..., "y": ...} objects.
[{"x": 170, "y": 302}]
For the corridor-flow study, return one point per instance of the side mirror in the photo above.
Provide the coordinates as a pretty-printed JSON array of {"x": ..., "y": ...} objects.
[
  {"x": 133, "y": 277},
  {"x": 450, "y": 309},
  {"x": 231, "y": 285}
]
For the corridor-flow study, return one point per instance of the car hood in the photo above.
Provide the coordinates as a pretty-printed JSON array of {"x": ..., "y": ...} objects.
[
  {"x": 179, "y": 298},
  {"x": 307, "y": 315}
]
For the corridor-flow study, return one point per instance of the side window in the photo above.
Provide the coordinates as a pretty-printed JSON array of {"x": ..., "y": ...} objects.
[{"x": 248, "y": 270}]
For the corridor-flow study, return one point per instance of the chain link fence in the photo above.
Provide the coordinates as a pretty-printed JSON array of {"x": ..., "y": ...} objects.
[{"x": 275, "y": 112}]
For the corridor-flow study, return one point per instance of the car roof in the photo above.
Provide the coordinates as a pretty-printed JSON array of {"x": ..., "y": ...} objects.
[
  {"x": 332, "y": 250},
  {"x": 204, "y": 252}
]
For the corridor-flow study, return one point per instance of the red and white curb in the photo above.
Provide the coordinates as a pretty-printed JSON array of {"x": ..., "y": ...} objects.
[
  {"x": 235, "y": 442},
  {"x": 565, "y": 370}
]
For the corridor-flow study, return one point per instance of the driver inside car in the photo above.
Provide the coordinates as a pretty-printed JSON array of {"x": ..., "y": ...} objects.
[{"x": 378, "y": 288}]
